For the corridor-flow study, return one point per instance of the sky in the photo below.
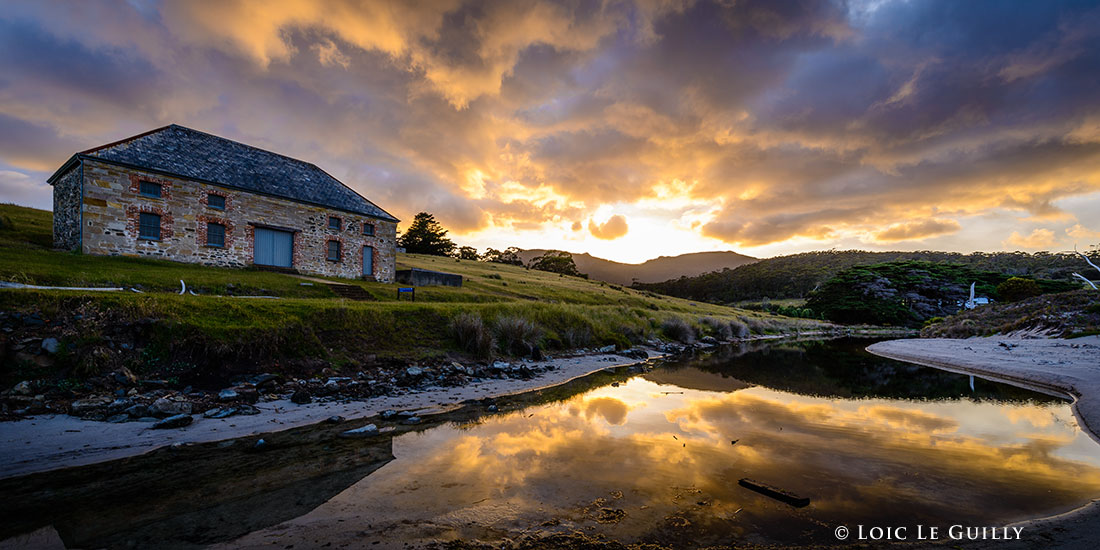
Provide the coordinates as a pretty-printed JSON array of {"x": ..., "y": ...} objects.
[{"x": 625, "y": 129}]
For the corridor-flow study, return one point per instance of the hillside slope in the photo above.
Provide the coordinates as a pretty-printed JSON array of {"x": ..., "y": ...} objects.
[
  {"x": 658, "y": 269},
  {"x": 305, "y": 327},
  {"x": 795, "y": 276}
]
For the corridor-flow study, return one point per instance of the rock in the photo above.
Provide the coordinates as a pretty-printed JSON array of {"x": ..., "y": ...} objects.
[
  {"x": 708, "y": 340},
  {"x": 607, "y": 349},
  {"x": 137, "y": 411},
  {"x": 635, "y": 354},
  {"x": 220, "y": 412},
  {"x": 264, "y": 379},
  {"x": 165, "y": 407},
  {"x": 493, "y": 408},
  {"x": 23, "y": 388},
  {"x": 501, "y": 365},
  {"x": 118, "y": 418},
  {"x": 369, "y": 430},
  {"x": 51, "y": 345},
  {"x": 227, "y": 395},
  {"x": 177, "y": 421},
  {"x": 412, "y": 420},
  {"x": 84, "y": 406},
  {"x": 301, "y": 397},
  {"x": 414, "y": 371},
  {"x": 247, "y": 410},
  {"x": 389, "y": 414},
  {"x": 334, "y": 419},
  {"x": 118, "y": 405},
  {"x": 260, "y": 445}
]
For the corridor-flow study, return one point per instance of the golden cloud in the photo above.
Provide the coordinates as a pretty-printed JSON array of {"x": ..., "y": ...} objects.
[
  {"x": 916, "y": 230},
  {"x": 612, "y": 229},
  {"x": 1038, "y": 239}
]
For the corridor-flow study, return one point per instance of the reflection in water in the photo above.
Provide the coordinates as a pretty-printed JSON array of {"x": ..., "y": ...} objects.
[{"x": 645, "y": 462}]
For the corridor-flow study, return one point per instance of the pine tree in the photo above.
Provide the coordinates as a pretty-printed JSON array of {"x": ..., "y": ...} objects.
[{"x": 426, "y": 236}]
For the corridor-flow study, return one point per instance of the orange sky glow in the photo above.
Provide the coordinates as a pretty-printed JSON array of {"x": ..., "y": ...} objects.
[{"x": 627, "y": 129}]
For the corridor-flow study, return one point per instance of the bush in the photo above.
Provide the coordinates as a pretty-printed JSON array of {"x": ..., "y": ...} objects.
[
  {"x": 517, "y": 336},
  {"x": 719, "y": 328},
  {"x": 472, "y": 335},
  {"x": 679, "y": 330},
  {"x": 575, "y": 337},
  {"x": 1018, "y": 288},
  {"x": 759, "y": 326},
  {"x": 739, "y": 329}
]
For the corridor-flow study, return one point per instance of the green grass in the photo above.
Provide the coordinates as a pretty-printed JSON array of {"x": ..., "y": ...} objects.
[{"x": 310, "y": 323}]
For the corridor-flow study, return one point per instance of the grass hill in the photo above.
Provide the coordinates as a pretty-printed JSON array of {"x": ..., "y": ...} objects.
[
  {"x": 662, "y": 268},
  {"x": 795, "y": 276},
  {"x": 305, "y": 325}
]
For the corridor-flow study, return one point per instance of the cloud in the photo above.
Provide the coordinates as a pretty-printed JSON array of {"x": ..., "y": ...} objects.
[
  {"x": 1083, "y": 233},
  {"x": 20, "y": 188},
  {"x": 914, "y": 231},
  {"x": 1038, "y": 239},
  {"x": 614, "y": 228},
  {"x": 524, "y": 116}
]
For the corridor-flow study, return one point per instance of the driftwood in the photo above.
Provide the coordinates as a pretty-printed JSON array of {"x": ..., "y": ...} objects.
[
  {"x": 1087, "y": 261},
  {"x": 774, "y": 492}
]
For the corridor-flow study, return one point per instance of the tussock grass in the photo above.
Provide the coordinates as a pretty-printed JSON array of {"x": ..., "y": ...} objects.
[
  {"x": 472, "y": 335},
  {"x": 678, "y": 329}
]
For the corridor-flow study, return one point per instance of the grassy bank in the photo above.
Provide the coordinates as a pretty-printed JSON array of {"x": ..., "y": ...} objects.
[{"x": 499, "y": 311}]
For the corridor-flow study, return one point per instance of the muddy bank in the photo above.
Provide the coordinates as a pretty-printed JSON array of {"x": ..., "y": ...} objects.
[
  {"x": 244, "y": 484},
  {"x": 1066, "y": 367},
  {"x": 52, "y": 441}
]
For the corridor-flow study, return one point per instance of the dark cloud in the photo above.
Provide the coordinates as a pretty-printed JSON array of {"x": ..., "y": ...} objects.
[{"x": 820, "y": 120}]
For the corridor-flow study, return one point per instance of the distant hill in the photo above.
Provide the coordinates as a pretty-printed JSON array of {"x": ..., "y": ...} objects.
[
  {"x": 651, "y": 271},
  {"x": 796, "y": 275}
]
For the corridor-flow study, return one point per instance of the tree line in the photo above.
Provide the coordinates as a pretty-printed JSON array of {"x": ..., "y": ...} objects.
[
  {"x": 427, "y": 236},
  {"x": 797, "y": 275}
]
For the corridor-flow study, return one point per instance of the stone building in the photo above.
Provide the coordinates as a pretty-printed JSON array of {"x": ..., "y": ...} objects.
[{"x": 188, "y": 196}]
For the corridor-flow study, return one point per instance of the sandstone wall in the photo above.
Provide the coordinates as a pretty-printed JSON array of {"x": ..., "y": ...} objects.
[
  {"x": 66, "y": 210},
  {"x": 112, "y": 206}
]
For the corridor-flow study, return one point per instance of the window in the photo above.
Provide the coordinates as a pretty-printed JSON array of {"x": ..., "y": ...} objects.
[
  {"x": 215, "y": 201},
  {"x": 150, "y": 189},
  {"x": 368, "y": 229},
  {"x": 334, "y": 223},
  {"x": 149, "y": 226},
  {"x": 215, "y": 234},
  {"x": 334, "y": 251}
]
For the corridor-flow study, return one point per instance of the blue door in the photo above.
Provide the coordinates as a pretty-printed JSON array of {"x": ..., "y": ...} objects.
[
  {"x": 274, "y": 248},
  {"x": 368, "y": 261}
]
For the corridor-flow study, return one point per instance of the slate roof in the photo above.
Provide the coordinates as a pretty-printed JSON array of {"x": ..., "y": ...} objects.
[{"x": 197, "y": 155}]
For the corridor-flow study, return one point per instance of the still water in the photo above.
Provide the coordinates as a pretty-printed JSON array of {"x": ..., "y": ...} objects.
[
  {"x": 653, "y": 457},
  {"x": 658, "y": 457}
]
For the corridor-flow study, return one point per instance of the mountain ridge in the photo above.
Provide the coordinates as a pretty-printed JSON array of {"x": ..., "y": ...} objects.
[{"x": 661, "y": 268}]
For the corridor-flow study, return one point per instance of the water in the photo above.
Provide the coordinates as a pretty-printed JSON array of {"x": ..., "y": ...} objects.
[{"x": 652, "y": 458}]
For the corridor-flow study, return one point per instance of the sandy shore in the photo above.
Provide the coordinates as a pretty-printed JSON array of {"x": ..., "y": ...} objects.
[
  {"x": 1063, "y": 367},
  {"x": 49, "y": 442}
]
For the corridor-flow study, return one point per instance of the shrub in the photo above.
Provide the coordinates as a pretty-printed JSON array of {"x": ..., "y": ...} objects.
[
  {"x": 575, "y": 337},
  {"x": 759, "y": 326},
  {"x": 1018, "y": 288},
  {"x": 739, "y": 329},
  {"x": 719, "y": 328},
  {"x": 517, "y": 336},
  {"x": 472, "y": 335},
  {"x": 679, "y": 330}
]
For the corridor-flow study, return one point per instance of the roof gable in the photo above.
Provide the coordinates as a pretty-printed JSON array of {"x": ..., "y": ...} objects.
[{"x": 197, "y": 155}]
